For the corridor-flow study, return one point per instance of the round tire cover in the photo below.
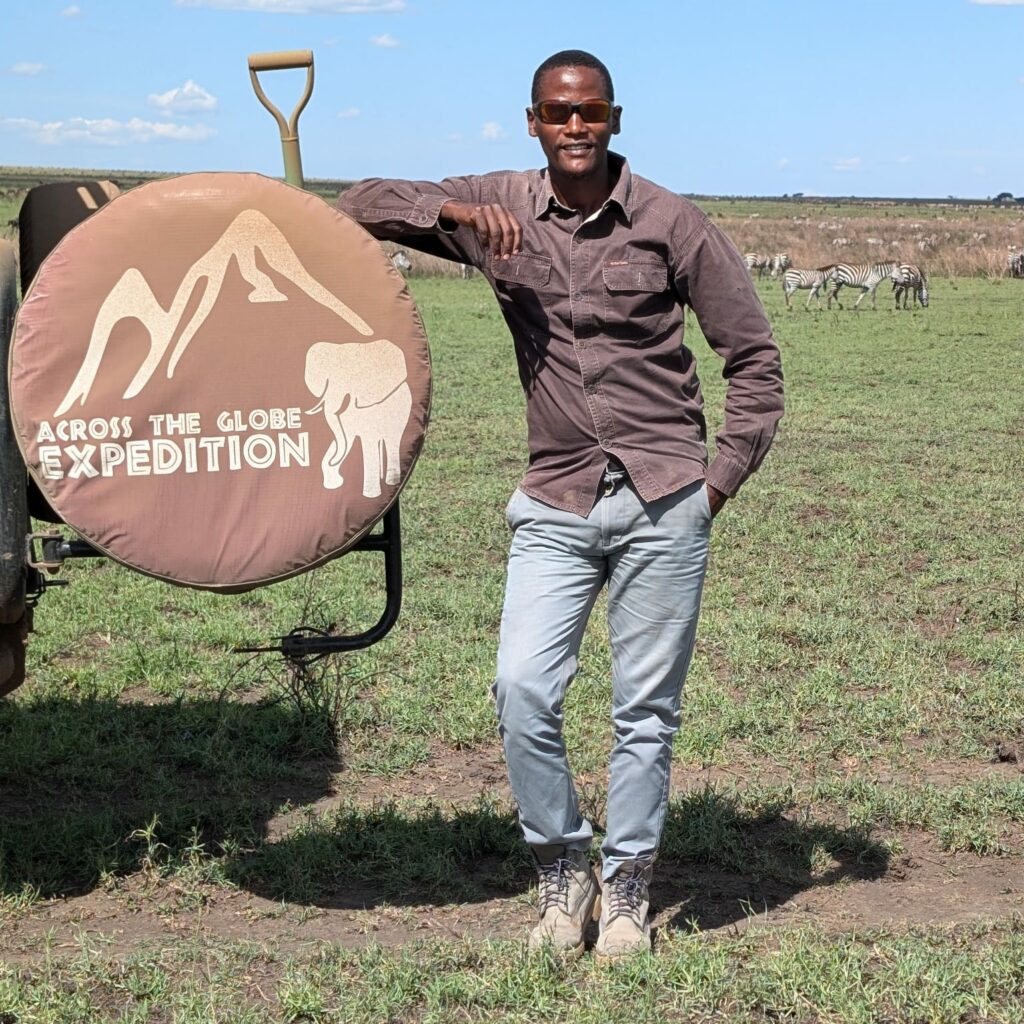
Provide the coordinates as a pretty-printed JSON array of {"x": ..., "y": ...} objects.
[{"x": 219, "y": 380}]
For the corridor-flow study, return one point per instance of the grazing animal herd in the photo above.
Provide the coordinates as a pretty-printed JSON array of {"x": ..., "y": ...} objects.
[
  {"x": 909, "y": 282},
  {"x": 772, "y": 264}
]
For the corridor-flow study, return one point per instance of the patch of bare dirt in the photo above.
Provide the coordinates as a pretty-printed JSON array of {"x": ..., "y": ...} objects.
[{"x": 922, "y": 885}]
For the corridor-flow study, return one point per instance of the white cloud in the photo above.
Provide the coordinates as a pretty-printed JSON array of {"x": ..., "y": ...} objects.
[
  {"x": 903, "y": 159},
  {"x": 782, "y": 162},
  {"x": 492, "y": 131},
  {"x": 105, "y": 131},
  {"x": 847, "y": 163},
  {"x": 26, "y": 68},
  {"x": 184, "y": 99},
  {"x": 384, "y": 40},
  {"x": 349, "y": 112},
  {"x": 71, "y": 12},
  {"x": 300, "y": 6}
]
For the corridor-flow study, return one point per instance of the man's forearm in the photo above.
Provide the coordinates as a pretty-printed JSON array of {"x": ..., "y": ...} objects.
[{"x": 393, "y": 208}]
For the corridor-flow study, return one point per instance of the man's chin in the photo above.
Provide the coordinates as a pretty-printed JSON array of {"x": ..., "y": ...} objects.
[
  {"x": 585, "y": 166},
  {"x": 578, "y": 170}
]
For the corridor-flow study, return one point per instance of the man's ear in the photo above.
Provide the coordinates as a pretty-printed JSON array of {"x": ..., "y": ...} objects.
[
  {"x": 616, "y": 118},
  {"x": 531, "y": 122}
]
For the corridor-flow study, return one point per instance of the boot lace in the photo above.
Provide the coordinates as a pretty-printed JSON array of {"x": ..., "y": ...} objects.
[
  {"x": 623, "y": 895},
  {"x": 553, "y": 884}
]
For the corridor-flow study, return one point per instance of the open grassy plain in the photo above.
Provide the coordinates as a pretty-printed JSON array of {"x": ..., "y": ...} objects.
[{"x": 189, "y": 836}]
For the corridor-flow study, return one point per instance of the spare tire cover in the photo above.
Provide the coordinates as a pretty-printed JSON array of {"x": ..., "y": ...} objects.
[{"x": 219, "y": 380}]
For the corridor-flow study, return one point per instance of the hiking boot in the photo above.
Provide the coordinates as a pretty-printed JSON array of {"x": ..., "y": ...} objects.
[
  {"x": 625, "y": 924},
  {"x": 569, "y": 897}
]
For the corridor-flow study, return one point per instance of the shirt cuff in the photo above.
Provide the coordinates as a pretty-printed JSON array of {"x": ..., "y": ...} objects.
[
  {"x": 725, "y": 475},
  {"x": 427, "y": 211}
]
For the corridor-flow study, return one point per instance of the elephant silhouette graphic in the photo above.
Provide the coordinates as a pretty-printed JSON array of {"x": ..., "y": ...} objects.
[{"x": 364, "y": 396}]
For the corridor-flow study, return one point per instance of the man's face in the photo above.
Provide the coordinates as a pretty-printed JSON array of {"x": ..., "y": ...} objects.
[{"x": 576, "y": 149}]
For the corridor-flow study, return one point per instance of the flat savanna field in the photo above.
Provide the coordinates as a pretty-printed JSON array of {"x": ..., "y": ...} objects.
[{"x": 190, "y": 836}]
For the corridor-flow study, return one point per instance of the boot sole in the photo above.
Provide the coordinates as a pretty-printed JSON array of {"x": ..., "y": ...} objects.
[{"x": 625, "y": 954}]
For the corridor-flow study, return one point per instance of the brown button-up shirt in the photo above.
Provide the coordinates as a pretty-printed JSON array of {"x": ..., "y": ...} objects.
[{"x": 596, "y": 311}]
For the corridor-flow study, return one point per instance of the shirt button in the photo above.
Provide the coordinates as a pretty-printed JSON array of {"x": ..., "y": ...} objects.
[{"x": 577, "y": 296}]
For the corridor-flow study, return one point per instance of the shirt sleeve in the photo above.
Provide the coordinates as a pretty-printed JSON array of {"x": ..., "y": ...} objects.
[
  {"x": 409, "y": 210},
  {"x": 716, "y": 283}
]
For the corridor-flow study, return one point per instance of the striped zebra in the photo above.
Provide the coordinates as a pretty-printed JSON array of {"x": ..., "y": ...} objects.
[
  {"x": 781, "y": 262},
  {"x": 815, "y": 280},
  {"x": 909, "y": 281},
  {"x": 1015, "y": 262},
  {"x": 757, "y": 261},
  {"x": 401, "y": 261},
  {"x": 867, "y": 277}
]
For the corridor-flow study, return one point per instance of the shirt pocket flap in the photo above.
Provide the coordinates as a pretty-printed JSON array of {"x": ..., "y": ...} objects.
[
  {"x": 525, "y": 268},
  {"x": 635, "y": 276}
]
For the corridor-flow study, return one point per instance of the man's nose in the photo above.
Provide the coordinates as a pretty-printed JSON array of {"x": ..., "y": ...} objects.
[{"x": 576, "y": 123}]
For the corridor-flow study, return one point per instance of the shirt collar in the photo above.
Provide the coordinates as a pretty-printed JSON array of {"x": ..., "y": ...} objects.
[{"x": 621, "y": 196}]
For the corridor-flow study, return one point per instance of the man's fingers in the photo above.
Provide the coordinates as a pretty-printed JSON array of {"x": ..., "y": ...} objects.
[
  {"x": 517, "y": 236},
  {"x": 489, "y": 228},
  {"x": 498, "y": 230},
  {"x": 511, "y": 233}
]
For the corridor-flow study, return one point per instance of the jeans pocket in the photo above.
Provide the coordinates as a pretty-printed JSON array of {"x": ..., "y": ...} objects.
[
  {"x": 707, "y": 501},
  {"x": 509, "y": 513}
]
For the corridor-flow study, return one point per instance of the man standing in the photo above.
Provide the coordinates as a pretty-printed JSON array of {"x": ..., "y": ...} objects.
[{"x": 592, "y": 266}]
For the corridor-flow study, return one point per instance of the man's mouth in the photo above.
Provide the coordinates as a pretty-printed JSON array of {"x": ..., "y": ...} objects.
[{"x": 577, "y": 147}]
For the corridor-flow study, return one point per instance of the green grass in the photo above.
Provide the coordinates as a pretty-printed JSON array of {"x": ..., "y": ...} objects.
[
  {"x": 858, "y": 665},
  {"x": 925, "y": 977}
]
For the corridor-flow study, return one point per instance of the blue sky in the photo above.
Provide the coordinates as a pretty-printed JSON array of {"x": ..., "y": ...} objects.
[{"x": 862, "y": 97}]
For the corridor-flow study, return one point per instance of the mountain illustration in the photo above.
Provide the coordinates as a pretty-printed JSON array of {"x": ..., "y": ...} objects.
[{"x": 132, "y": 297}]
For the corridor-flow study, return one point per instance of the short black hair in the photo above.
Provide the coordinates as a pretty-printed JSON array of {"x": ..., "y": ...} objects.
[{"x": 571, "y": 59}]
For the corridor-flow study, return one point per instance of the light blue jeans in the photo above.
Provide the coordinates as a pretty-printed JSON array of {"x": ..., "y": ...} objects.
[{"x": 653, "y": 557}]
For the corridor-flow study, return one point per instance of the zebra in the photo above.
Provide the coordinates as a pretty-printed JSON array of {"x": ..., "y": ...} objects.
[
  {"x": 1015, "y": 262},
  {"x": 401, "y": 261},
  {"x": 781, "y": 262},
  {"x": 815, "y": 280},
  {"x": 909, "y": 280},
  {"x": 867, "y": 277},
  {"x": 757, "y": 261}
]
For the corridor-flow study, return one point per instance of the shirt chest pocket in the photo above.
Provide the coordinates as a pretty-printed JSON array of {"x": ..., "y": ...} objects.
[
  {"x": 637, "y": 298},
  {"x": 525, "y": 269}
]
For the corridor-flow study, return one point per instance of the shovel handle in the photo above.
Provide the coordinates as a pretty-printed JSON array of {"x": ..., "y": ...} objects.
[
  {"x": 290, "y": 128},
  {"x": 281, "y": 60}
]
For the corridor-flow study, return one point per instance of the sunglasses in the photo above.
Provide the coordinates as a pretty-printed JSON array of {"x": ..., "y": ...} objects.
[{"x": 560, "y": 112}]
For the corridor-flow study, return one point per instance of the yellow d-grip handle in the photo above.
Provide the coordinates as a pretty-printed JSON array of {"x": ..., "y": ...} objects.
[{"x": 290, "y": 128}]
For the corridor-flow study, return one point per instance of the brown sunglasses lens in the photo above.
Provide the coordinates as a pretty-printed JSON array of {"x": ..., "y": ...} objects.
[{"x": 558, "y": 112}]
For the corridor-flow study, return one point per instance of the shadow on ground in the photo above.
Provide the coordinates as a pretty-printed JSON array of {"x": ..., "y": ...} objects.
[
  {"x": 724, "y": 861},
  {"x": 100, "y": 788},
  {"x": 720, "y": 863}
]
